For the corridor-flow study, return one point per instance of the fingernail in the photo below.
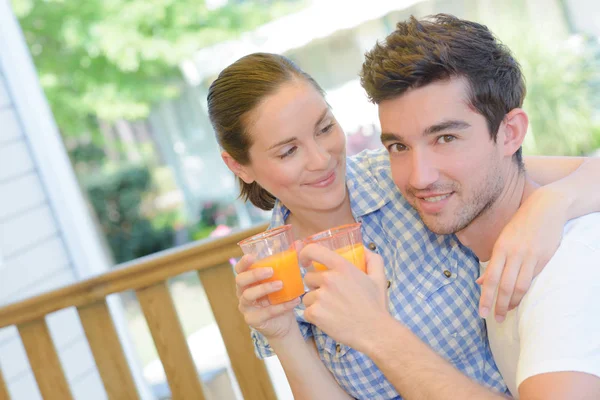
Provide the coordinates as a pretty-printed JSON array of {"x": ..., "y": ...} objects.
[
  {"x": 484, "y": 312},
  {"x": 500, "y": 318},
  {"x": 277, "y": 285},
  {"x": 267, "y": 272}
]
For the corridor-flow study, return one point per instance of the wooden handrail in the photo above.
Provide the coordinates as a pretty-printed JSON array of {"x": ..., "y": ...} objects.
[
  {"x": 148, "y": 278},
  {"x": 134, "y": 275}
]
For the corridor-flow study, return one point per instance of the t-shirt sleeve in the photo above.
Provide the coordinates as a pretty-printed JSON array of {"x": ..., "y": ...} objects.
[
  {"x": 559, "y": 319},
  {"x": 261, "y": 345}
]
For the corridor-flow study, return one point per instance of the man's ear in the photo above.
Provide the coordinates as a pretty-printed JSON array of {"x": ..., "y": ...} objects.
[
  {"x": 514, "y": 127},
  {"x": 238, "y": 169}
]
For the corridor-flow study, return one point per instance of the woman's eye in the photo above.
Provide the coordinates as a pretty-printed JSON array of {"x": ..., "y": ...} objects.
[
  {"x": 446, "y": 138},
  {"x": 288, "y": 153},
  {"x": 396, "y": 147},
  {"x": 327, "y": 128}
]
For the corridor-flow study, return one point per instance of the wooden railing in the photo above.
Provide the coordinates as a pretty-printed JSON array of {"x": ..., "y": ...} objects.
[{"x": 147, "y": 277}]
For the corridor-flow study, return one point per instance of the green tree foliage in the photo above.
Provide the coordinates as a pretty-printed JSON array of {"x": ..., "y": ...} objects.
[
  {"x": 112, "y": 59},
  {"x": 562, "y": 73},
  {"x": 560, "y": 99}
]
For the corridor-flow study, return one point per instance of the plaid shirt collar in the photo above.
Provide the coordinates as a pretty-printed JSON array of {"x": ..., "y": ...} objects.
[{"x": 362, "y": 183}]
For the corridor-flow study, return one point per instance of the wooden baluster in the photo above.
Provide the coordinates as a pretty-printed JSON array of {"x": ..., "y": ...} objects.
[
  {"x": 171, "y": 344},
  {"x": 251, "y": 373},
  {"x": 44, "y": 361},
  {"x": 108, "y": 352},
  {"x": 3, "y": 388}
]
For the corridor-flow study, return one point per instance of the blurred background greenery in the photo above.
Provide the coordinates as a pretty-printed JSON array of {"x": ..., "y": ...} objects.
[{"x": 127, "y": 81}]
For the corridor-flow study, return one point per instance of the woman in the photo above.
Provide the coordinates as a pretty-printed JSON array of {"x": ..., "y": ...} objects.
[{"x": 282, "y": 141}]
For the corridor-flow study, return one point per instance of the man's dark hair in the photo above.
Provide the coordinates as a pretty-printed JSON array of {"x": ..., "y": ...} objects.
[{"x": 442, "y": 47}]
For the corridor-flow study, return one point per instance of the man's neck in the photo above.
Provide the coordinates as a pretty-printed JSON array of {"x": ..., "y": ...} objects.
[
  {"x": 482, "y": 233},
  {"x": 308, "y": 222}
]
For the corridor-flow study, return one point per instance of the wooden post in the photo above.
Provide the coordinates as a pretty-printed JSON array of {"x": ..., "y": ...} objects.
[
  {"x": 108, "y": 352},
  {"x": 251, "y": 373},
  {"x": 3, "y": 389},
  {"x": 44, "y": 361},
  {"x": 171, "y": 344}
]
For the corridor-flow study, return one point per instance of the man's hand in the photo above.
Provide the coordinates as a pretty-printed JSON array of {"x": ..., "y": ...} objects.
[{"x": 344, "y": 302}]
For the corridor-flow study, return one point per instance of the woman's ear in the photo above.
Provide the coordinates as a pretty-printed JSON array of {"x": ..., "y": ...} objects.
[
  {"x": 515, "y": 129},
  {"x": 241, "y": 171}
]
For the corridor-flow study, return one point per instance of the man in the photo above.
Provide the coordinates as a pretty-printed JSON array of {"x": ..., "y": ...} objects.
[{"x": 450, "y": 100}]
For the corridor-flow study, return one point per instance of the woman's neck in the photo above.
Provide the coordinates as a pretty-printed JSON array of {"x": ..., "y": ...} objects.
[{"x": 308, "y": 222}]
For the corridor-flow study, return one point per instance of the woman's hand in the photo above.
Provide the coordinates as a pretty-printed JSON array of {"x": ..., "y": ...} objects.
[
  {"x": 522, "y": 250},
  {"x": 270, "y": 320}
]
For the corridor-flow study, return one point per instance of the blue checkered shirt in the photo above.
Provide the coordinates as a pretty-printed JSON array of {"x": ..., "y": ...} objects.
[{"x": 432, "y": 286}]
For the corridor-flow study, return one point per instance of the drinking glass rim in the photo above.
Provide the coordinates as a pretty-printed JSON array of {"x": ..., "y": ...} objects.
[
  {"x": 333, "y": 232},
  {"x": 265, "y": 235}
]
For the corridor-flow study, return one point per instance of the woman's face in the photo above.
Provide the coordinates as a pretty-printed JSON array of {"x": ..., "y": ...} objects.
[{"x": 298, "y": 150}]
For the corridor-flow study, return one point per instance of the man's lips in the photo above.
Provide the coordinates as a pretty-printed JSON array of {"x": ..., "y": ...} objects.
[
  {"x": 433, "y": 203},
  {"x": 432, "y": 198}
]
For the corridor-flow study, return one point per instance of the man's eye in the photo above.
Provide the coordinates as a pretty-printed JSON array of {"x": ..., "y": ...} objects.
[
  {"x": 446, "y": 138},
  {"x": 396, "y": 147}
]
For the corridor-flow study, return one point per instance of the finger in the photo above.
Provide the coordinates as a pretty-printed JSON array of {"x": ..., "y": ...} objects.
[
  {"x": 253, "y": 276},
  {"x": 491, "y": 278},
  {"x": 245, "y": 262},
  {"x": 523, "y": 282},
  {"x": 257, "y": 317},
  {"x": 507, "y": 286},
  {"x": 322, "y": 255},
  {"x": 375, "y": 268},
  {"x": 310, "y": 298},
  {"x": 479, "y": 280},
  {"x": 314, "y": 280},
  {"x": 254, "y": 293},
  {"x": 244, "y": 306}
]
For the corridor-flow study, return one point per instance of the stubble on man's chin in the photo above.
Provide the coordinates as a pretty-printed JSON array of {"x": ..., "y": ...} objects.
[
  {"x": 441, "y": 228},
  {"x": 464, "y": 216}
]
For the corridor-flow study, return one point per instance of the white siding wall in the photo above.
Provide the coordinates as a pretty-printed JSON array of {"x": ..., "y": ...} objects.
[
  {"x": 47, "y": 237},
  {"x": 34, "y": 259}
]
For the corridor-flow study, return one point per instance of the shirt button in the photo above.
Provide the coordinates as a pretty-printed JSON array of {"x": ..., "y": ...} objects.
[
  {"x": 447, "y": 273},
  {"x": 389, "y": 284},
  {"x": 338, "y": 348},
  {"x": 372, "y": 246}
]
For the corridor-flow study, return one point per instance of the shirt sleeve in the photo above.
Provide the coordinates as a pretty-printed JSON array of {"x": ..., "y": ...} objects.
[
  {"x": 559, "y": 320},
  {"x": 261, "y": 345}
]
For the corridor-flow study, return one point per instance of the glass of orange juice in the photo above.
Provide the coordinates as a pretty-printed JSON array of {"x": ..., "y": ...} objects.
[
  {"x": 346, "y": 240},
  {"x": 275, "y": 249}
]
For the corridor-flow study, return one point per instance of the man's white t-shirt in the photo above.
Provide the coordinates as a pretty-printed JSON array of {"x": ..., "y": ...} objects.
[{"x": 556, "y": 327}]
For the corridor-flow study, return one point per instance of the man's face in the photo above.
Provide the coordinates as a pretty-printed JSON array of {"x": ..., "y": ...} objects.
[{"x": 443, "y": 158}]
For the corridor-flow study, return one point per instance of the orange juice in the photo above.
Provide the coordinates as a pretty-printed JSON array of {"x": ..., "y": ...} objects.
[
  {"x": 285, "y": 269},
  {"x": 354, "y": 253}
]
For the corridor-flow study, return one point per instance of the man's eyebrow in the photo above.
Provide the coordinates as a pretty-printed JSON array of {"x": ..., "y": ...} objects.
[
  {"x": 433, "y": 129},
  {"x": 446, "y": 125},
  {"x": 390, "y": 137}
]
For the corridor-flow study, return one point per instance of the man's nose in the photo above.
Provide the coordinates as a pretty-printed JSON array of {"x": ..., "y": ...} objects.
[{"x": 423, "y": 171}]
